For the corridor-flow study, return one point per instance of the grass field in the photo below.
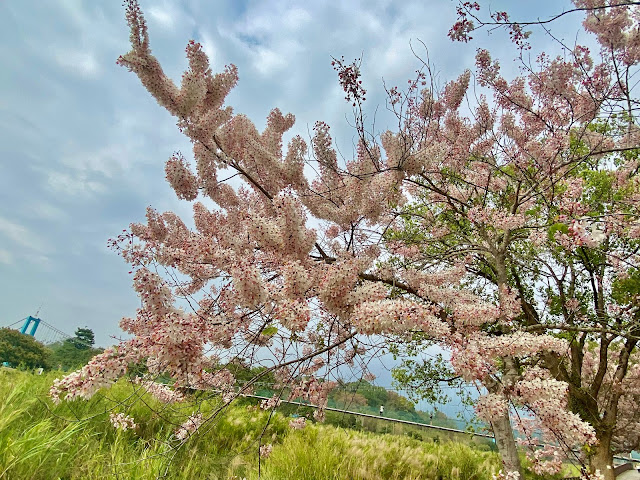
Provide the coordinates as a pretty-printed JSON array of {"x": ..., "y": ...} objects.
[{"x": 75, "y": 440}]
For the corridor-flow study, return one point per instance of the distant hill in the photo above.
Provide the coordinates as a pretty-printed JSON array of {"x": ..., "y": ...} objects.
[{"x": 365, "y": 397}]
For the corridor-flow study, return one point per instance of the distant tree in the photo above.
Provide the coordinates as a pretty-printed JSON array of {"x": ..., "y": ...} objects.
[
  {"x": 84, "y": 338},
  {"x": 349, "y": 399},
  {"x": 245, "y": 373},
  {"x": 441, "y": 419},
  {"x": 76, "y": 351},
  {"x": 21, "y": 349},
  {"x": 374, "y": 396},
  {"x": 424, "y": 379},
  {"x": 398, "y": 402}
]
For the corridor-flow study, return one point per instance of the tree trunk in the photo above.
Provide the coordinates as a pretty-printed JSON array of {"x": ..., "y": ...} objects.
[
  {"x": 502, "y": 430},
  {"x": 602, "y": 460},
  {"x": 506, "y": 444}
]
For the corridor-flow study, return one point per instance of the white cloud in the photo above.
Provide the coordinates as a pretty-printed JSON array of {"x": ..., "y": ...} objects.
[
  {"x": 14, "y": 231},
  {"x": 209, "y": 47},
  {"x": 75, "y": 13},
  {"x": 42, "y": 261},
  {"x": 5, "y": 257},
  {"x": 171, "y": 16},
  {"x": 46, "y": 211},
  {"x": 108, "y": 160},
  {"x": 78, "y": 184},
  {"x": 79, "y": 62},
  {"x": 268, "y": 61},
  {"x": 371, "y": 22},
  {"x": 296, "y": 19},
  {"x": 163, "y": 16},
  {"x": 21, "y": 235}
]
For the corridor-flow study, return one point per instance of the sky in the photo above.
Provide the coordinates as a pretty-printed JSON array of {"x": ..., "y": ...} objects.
[{"x": 83, "y": 145}]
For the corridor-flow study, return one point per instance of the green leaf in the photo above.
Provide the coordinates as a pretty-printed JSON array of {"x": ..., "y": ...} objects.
[{"x": 270, "y": 331}]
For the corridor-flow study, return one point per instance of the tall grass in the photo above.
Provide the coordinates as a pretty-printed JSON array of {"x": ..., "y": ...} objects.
[
  {"x": 74, "y": 440},
  {"x": 320, "y": 452}
]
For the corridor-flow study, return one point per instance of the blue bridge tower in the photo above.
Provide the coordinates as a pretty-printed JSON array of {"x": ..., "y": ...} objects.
[{"x": 27, "y": 322}]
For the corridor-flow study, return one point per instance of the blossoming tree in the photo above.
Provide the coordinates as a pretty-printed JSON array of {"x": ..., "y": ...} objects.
[
  {"x": 550, "y": 211},
  {"x": 446, "y": 227}
]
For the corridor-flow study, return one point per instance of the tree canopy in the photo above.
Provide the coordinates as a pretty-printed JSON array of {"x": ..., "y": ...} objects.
[
  {"x": 19, "y": 349},
  {"x": 74, "y": 352},
  {"x": 500, "y": 223}
]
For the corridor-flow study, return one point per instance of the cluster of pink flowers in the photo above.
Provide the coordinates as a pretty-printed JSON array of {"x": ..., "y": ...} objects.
[
  {"x": 292, "y": 314},
  {"x": 122, "y": 421},
  {"x": 315, "y": 392},
  {"x": 297, "y": 279},
  {"x": 589, "y": 238},
  {"x": 455, "y": 91},
  {"x": 101, "y": 371},
  {"x": 189, "y": 427},
  {"x": 201, "y": 379},
  {"x": 498, "y": 219},
  {"x": 468, "y": 360},
  {"x": 547, "y": 399},
  {"x": 248, "y": 284},
  {"x": 464, "y": 26},
  {"x": 475, "y": 356},
  {"x": 565, "y": 241},
  {"x": 506, "y": 476},
  {"x": 161, "y": 392},
  {"x": 181, "y": 179},
  {"x": 394, "y": 316},
  {"x": 522, "y": 344},
  {"x": 468, "y": 314},
  {"x": 509, "y": 304},
  {"x": 298, "y": 423},
  {"x": 615, "y": 27},
  {"x": 570, "y": 201},
  {"x": 491, "y": 406},
  {"x": 339, "y": 279},
  {"x": 367, "y": 292},
  {"x": 547, "y": 461},
  {"x": 271, "y": 403},
  {"x": 265, "y": 450}
]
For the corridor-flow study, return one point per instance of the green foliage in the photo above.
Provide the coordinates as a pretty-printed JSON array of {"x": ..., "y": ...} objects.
[
  {"x": 67, "y": 356},
  {"x": 373, "y": 395},
  {"x": 244, "y": 373},
  {"x": 84, "y": 338},
  {"x": 557, "y": 227},
  {"x": 270, "y": 331},
  {"x": 19, "y": 349},
  {"x": 626, "y": 290},
  {"x": 424, "y": 379},
  {"x": 75, "y": 352}
]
